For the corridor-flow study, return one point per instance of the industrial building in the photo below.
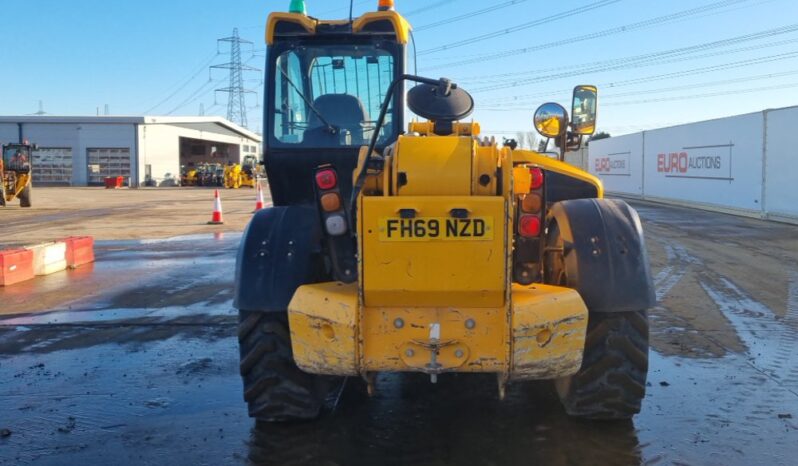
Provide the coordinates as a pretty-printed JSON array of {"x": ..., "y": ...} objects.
[{"x": 146, "y": 150}]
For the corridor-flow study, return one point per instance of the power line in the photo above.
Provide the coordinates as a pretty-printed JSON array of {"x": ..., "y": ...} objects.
[
  {"x": 657, "y": 21},
  {"x": 518, "y": 106},
  {"x": 520, "y": 27},
  {"x": 660, "y": 76},
  {"x": 194, "y": 96},
  {"x": 184, "y": 84},
  {"x": 704, "y": 95},
  {"x": 470, "y": 15},
  {"x": 680, "y": 51},
  {"x": 618, "y": 66},
  {"x": 423, "y": 9}
]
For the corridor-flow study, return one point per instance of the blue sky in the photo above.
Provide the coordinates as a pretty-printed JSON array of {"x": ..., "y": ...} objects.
[{"x": 657, "y": 63}]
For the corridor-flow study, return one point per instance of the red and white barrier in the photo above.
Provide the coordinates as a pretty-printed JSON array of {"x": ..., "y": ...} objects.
[
  {"x": 48, "y": 258},
  {"x": 79, "y": 251},
  {"x": 19, "y": 265},
  {"x": 16, "y": 266}
]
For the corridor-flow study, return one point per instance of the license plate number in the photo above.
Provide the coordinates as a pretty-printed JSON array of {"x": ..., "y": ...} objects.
[{"x": 436, "y": 228}]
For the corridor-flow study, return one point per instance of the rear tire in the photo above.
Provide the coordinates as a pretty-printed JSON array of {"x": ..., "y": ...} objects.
[
  {"x": 275, "y": 389},
  {"x": 611, "y": 383},
  {"x": 25, "y": 197}
]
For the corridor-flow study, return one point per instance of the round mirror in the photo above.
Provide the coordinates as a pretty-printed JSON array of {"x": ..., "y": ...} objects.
[{"x": 551, "y": 120}]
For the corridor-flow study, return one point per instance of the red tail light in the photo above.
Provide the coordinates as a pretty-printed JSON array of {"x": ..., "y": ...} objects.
[
  {"x": 326, "y": 179},
  {"x": 537, "y": 177},
  {"x": 529, "y": 226}
]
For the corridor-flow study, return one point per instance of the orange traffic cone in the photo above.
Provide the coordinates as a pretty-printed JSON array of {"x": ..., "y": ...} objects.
[
  {"x": 259, "y": 200},
  {"x": 216, "y": 219}
]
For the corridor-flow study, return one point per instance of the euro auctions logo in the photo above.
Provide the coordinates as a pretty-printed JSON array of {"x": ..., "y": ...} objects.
[
  {"x": 704, "y": 162},
  {"x": 607, "y": 165},
  {"x": 612, "y": 164}
]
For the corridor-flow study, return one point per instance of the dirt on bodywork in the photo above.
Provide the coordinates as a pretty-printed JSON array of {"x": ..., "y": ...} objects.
[{"x": 135, "y": 361}]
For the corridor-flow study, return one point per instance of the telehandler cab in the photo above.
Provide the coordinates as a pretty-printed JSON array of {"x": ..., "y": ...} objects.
[
  {"x": 426, "y": 250},
  {"x": 16, "y": 172}
]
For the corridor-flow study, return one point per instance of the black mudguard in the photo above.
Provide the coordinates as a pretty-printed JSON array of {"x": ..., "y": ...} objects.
[
  {"x": 279, "y": 252},
  {"x": 605, "y": 247}
]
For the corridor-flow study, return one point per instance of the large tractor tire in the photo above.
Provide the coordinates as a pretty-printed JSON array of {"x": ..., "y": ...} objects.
[
  {"x": 25, "y": 197},
  {"x": 610, "y": 384},
  {"x": 275, "y": 389}
]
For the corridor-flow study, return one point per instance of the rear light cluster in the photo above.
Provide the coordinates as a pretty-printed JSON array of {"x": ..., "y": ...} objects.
[
  {"x": 330, "y": 201},
  {"x": 530, "y": 221}
]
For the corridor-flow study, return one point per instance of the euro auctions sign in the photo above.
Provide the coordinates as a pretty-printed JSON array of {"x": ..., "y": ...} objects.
[
  {"x": 612, "y": 164},
  {"x": 700, "y": 162}
]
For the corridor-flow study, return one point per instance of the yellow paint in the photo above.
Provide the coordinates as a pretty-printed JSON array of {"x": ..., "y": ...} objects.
[
  {"x": 548, "y": 331},
  {"x": 432, "y": 273},
  {"x": 522, "y": 180},
  {"x": 427, "y": 128},
  {"x": 400, "y": 25},
  {"x": 486, "y": 163},
  {"x": 310, "y": 24},
  {"x": 543, "y": 338},
  {"x": 306, "y": 22},
  {"x": 547, "y": 163},
  {"x": 323, "y": 322},
  {"x": 434, "y": 166},
  {"x": 481, "y": 349}
]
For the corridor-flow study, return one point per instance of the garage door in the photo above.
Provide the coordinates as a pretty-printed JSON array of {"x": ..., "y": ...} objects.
[
  {"x": 104, "y": 163},
  {"x": 52, "y": 165}
]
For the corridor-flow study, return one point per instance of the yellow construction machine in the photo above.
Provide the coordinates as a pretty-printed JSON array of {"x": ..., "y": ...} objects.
[
  {"x": 16, "y": 172},
  {"x": 189, "y": 176},
  {"x": 239, "y": 175},
  {"x": 427, "y": 251}
]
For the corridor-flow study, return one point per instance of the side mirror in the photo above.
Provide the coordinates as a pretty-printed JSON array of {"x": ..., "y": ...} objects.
[
  {"x": 584, "y": 110},
  {"x": 551, "y": 120}
]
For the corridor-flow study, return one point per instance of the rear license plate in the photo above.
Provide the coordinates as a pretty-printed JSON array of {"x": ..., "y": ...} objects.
[{"x": 436, "y": 228}]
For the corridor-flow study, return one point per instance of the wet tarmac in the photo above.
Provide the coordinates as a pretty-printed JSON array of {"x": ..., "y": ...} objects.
[{"x": 134, "y": 361}]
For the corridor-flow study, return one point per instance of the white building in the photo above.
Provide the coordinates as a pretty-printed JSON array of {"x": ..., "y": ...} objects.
[{"x": 147, "y": 150}]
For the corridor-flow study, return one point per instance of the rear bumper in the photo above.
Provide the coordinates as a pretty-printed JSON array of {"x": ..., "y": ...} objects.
[{"x": 540, "y": 335}]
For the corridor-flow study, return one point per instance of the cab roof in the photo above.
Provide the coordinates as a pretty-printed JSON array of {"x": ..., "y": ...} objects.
[{"x": 372, "y": 23}]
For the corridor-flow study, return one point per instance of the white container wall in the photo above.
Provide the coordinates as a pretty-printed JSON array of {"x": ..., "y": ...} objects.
[
  {"x": 716, "y": 162},
  {"x": 781, "y": 163},
  {"x": 619, "y": 163},
  {"x": 745, "y": 164}
]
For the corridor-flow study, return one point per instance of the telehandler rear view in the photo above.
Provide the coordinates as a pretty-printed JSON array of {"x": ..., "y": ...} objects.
[{"x": 426, "y": 250}]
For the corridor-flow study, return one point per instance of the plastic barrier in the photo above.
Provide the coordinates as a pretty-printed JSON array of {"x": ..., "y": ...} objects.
[
  {"x": 48, "y": 258},
  {"x": 114, "y": 182},
  {"x": 16, "y": 265},
  {"x": 79, "y": 250}
]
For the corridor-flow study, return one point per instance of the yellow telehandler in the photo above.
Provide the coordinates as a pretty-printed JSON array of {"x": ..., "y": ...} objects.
[
  {"x": 240, "y": 175},
  {"x": 16, "y": 173},
  {"x": 418, "y": 248}
]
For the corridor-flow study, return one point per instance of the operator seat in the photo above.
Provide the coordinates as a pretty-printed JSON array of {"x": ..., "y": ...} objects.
[{"x": 343, "y": 111}]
